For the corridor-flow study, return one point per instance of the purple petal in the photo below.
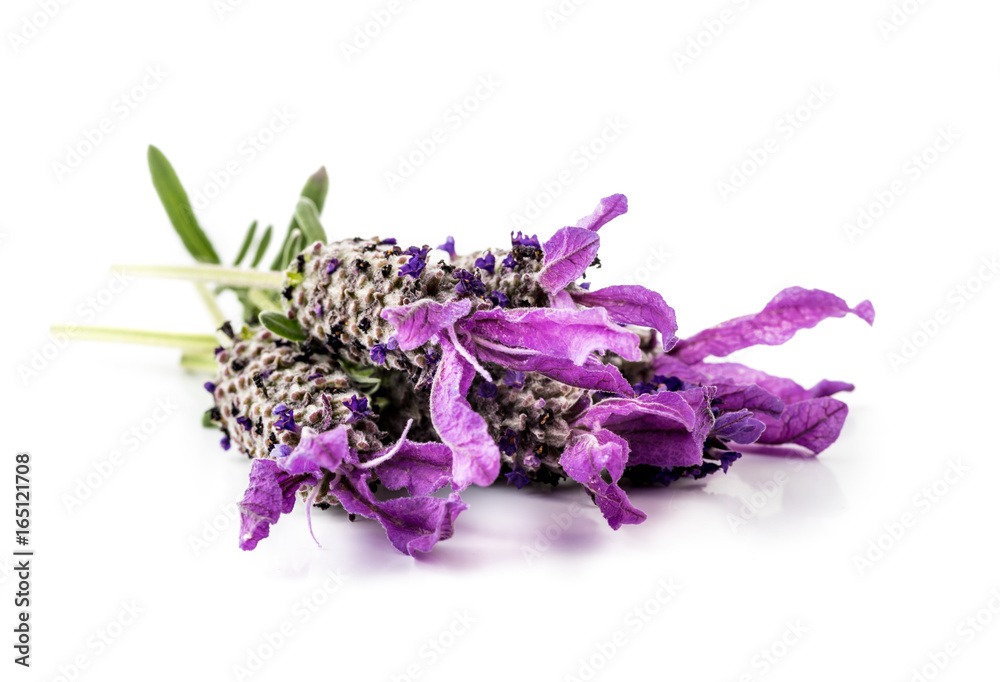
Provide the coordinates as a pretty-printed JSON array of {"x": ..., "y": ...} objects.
[
  {"x": 419, "y": 322},
  {"x": 740, "y": 427},
  {"x": 665, "y": 429},
  {"x": 421, "y": 468},
  {"x": 609, "y": 209},
  {"x": 475, "y": 457},
  {"x": 562, "y": 299},
  {"x": 270, "y": 494},
  {"x": 788, "y": 312},
  {"x": 570, "y": 334},
  {"x": 568, "y": 254},
  {"x": 586, "y": 458},
  {"x": 593, "y": 374},
  {"x": 412, "y": 524},
  {"x": 731, "y": 397},
  {"x": 634, "y": 304},
  {"x": 814, "y": 424},
  {"x": 787, "y": 390},
  {"x": 317, "y": 451}
]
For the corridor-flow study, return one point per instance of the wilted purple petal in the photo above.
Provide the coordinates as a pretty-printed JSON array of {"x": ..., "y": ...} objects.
[
  {"x": 788, "y": 312},
  {"x": 669, "y": 366},
  {"x": 665, "y": 429},
  {"x": 568, "y": 254},
  {"x": 317, "y": 451},
  {"x": 610, "y": 208},
  {"x": 814, "y": 424},
  {"x": 787, "y": 390},
  {"x": 562, "y": 299},
  {"x": 421, "y": 468},
  {"x": 570, "y": 334},
  {"x": 634, "y": 304},
  {"x": 475, "y": 457},
  {"x": 593, "y": 375},
  {"x": 740, "y": 427},
  {"x": 412, "y": 524},
  {"x": 585, "y": 459},
  {"x": 419, "y": 322},
  {"x": 730, "y": 397},
  {"x": 270, "y": 494}
]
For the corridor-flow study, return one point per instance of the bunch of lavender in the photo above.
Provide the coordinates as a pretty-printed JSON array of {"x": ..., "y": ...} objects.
[{"x": 364, "y": 364}]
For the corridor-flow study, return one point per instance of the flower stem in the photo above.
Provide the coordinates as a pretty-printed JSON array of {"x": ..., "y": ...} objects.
[
  {"x": 190, "y": 343},
  {"x": 199, "y": 362},
  {"x": 260, "y": 299},
  {"x": 237, "y": 277},
  {"x": 209, "y": 300}
]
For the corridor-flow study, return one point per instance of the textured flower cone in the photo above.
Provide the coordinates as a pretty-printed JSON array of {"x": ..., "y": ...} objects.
[
  {"x": 531, "y": 423},
  {"x": 258, "y": 374},
  {"x": 300, "y": 417},
  {"x": 337, "y": 292}
]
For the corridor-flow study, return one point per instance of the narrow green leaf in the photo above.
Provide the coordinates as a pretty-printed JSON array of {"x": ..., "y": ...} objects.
[
  {"x": 282, "y": 326},
  {"x": 265, "y": 241},
  {"x": 315, "y": 190},
  {"x": 247, "y": 241},
  {"x": 308, "y": 219},
  {"x": 178, "y": 206},
  {"x": 365, "y": 378},
  {"x": 292, "y": 249}
]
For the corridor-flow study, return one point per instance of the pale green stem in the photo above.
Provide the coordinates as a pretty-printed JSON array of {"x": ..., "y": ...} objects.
[
  {"x": 235, "y": 277},
  {"x": 190, "y": 343},
  {"x": 262, "y": 300},
  {"x": 201, "y": 362},
  {"x": 209, "y": 300}
]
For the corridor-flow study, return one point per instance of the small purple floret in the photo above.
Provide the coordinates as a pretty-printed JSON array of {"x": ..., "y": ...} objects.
[
  {"x": 469, "y": 283},
  {"x": 332, "y": 266},
  {"x": 449, "y": 247},
  {"x": 518, "y": 479},
  {"x": 514, "y": 378},
  {"x": 286, "y": 418},
  {"x": 378, "y": 354},
  {"x": 488, "y": 263},
  {"x": 508, "y": 442},
  {"x": 358, "y": 408},
  {"x": 525, "y": 241}
]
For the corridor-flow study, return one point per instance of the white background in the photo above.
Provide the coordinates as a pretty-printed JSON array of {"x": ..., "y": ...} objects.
[{"x": 795, "y": 560}]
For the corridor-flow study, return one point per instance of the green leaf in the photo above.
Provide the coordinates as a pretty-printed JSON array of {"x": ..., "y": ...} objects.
[
  {"x": 292, "y": 249},
  {"x": 247, "y": 241},
  {"x": 365, "y": 378},
  {"x": 262, "y": 247},
  {"x": 308, "y": 219},
  {"x": 206, "y": 420},
  {"x": 178, "y": 206},
  {"x": 282, "y": 326},
  {"x": 315, "y": 190}
]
